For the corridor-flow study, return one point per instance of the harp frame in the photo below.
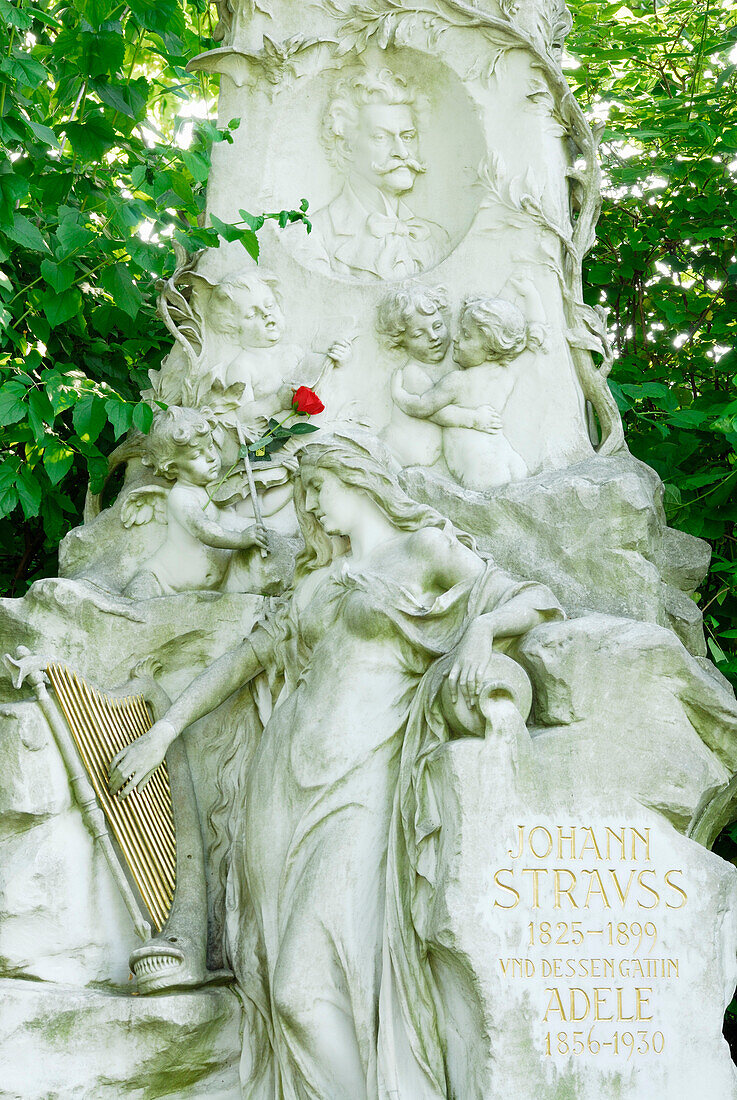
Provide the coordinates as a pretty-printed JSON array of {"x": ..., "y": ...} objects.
[{"x": 176, "y": 956}]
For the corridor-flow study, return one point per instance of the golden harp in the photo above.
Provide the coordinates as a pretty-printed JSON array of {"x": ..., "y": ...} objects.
[{"x": 152, "y": 840}]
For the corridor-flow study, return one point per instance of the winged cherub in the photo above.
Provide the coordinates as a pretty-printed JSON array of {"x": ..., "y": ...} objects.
[{"x": 199, "y": 548}]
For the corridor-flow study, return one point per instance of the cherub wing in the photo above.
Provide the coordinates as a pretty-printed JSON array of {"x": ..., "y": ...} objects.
[{"x": 143, "y": 505}]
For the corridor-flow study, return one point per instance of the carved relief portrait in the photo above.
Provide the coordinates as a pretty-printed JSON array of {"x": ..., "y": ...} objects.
[
  {"x": 371, "y": 134},
  {"x": 375, "y": 136}
]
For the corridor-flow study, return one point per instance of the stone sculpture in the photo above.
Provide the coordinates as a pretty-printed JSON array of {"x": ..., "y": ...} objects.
[
  {"x": 455, "y": 745},
  {"x": 369, "y": 229},
  {"x": 198, "y": 549},
  {"x": 413, "y": 319},
  {"x": 491, "y": 333},
  {"x": 378, "y": 574}
]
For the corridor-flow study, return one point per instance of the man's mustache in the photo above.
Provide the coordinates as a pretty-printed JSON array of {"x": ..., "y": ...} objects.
[{"x": 389, "y": 166}]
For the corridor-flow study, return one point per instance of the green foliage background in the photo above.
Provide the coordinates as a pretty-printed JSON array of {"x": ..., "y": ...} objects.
[{"x": 94, "y": 122}]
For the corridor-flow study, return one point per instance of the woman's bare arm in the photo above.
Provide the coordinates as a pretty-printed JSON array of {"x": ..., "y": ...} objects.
[{"x": 133, "y": 766}]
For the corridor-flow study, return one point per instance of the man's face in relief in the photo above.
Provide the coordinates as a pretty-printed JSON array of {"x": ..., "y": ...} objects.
[{"x": 385, "y": 148}]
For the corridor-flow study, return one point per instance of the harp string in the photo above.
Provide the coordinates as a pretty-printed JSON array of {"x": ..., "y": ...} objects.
[
  {"x": 143, "y": 823},
  {"x": 135, "y": 846},
  {"x": 92, "y": 755},
  {"x": 148, "y": 815},
  {"x": 130, "y": 730}
]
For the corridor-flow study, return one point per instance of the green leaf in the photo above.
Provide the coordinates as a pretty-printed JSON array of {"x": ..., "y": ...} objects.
[
  {"x": 58, "y": 460},
  {"x": 59, "y": 308},
  {"x": 25, "y": 233},
  {"x": 39, "y": 413},
  {"x": 29, "y": 492},
  {"x": 92, "y": 138},
  {"x": 303, "y": 429},
  {"x": 15, "y": 16},
  {"x": 12, "y": 402},
  {"x": 143, "y": 416},
  {"x": 253, "y": 222},
  {"x": 72, "y": 236},
  {"x": 122, "y": 289},
  {"x": 120, "y": 415},
  {"x": 59, "y": 276},
  {"x": 89, "y": 417}
]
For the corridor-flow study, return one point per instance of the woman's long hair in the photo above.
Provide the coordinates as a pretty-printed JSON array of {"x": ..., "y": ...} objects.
[{"x": 365, "y": 466}]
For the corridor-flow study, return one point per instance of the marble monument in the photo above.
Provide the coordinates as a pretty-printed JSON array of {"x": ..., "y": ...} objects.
[{"x": 379, "y": 759}]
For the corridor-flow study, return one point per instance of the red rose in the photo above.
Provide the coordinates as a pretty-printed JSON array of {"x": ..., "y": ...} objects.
[{"x": 305, "y": 400}]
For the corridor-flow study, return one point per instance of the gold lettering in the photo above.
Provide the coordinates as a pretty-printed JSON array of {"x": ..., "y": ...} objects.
[
  {"x": 619, "y": 839},
  {"x": 503, "y": 886},
  {"x": 641, "y": 1002},
  {"x": 596, "y": 878},
  {"x": 678, "y": 889},
  {"x": 622, "y": 895},
  {"x": 548, "y": 839},
  {"x": 521, "y": 838},
  {"x": 673, "y": 968},
  {"x": 598, "y": 1006},
  {"x": 645, "y": 838},
  {"x": 574, "y": 1017},
  {"x": 554, "y": 1005},
  {"x": 650, "y": 890},
  {"x": 535, "y": 872},
  {"x": 561, "y": 891},
  {"x": 620, "y": 1008},
  {"x": 571, "y": 838},
  {"x": 589, "y": 842}
]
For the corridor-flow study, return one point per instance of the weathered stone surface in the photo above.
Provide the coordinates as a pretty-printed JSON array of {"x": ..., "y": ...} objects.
[
  {"x": 625, "y": 699},
  {"x": 505, "y": 943},
  {"x": 61, "y": 915},
  {"x": 61, "y": 1043},
  {"x": 596, "y": 533},
  {"x": 103, "y": 635}
]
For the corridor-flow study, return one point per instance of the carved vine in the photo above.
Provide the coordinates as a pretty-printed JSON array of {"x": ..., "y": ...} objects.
[{"x": 389, "y": 22}]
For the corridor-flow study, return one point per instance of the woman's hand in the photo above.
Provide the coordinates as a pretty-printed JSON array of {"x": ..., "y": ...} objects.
[
  {"x": 470, "y": 666},
  {"x": 134, "y": 765}
]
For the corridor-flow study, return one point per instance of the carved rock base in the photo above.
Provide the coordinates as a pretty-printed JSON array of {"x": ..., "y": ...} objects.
[{"x": 79, "y": 1044}]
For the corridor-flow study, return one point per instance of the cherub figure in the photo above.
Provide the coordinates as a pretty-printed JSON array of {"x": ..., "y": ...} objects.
[
  {"x": 254, "y": 375},
  {"x": 247, "y": 323},
  {"x": 414, "y": 321},
  {"x": 198, "y": 550},
  {"x": 492, "y": 334}
]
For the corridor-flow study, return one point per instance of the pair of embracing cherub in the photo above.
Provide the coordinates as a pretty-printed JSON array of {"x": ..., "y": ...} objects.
[{"x": 457, "y": 414}]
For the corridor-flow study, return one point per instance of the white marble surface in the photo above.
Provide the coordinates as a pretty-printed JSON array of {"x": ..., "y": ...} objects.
[{"x": 449, "y": 622}]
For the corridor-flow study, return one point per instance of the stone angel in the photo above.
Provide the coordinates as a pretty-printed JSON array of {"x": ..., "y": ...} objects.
[
  {"x": 249, "y": 351},
  {"x": 199, "y": 547},
  {"x": 492, "y": 334},
  {"x": 414, "y": 321}
]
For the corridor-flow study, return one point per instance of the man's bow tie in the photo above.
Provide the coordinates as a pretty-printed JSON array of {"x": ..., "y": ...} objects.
[{"x": 389, "y": 225}]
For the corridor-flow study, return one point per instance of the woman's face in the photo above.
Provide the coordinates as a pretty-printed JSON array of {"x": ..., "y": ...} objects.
[
  {"x": 336, "y": 506},
  {"x": 426, "y": 336}
]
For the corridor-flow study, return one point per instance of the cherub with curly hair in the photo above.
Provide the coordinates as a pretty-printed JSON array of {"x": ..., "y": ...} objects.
[
  {"x": 414, "y": 320},
  {"x": 198, "y": 549},
  {"x": 492, "y": 333}
]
